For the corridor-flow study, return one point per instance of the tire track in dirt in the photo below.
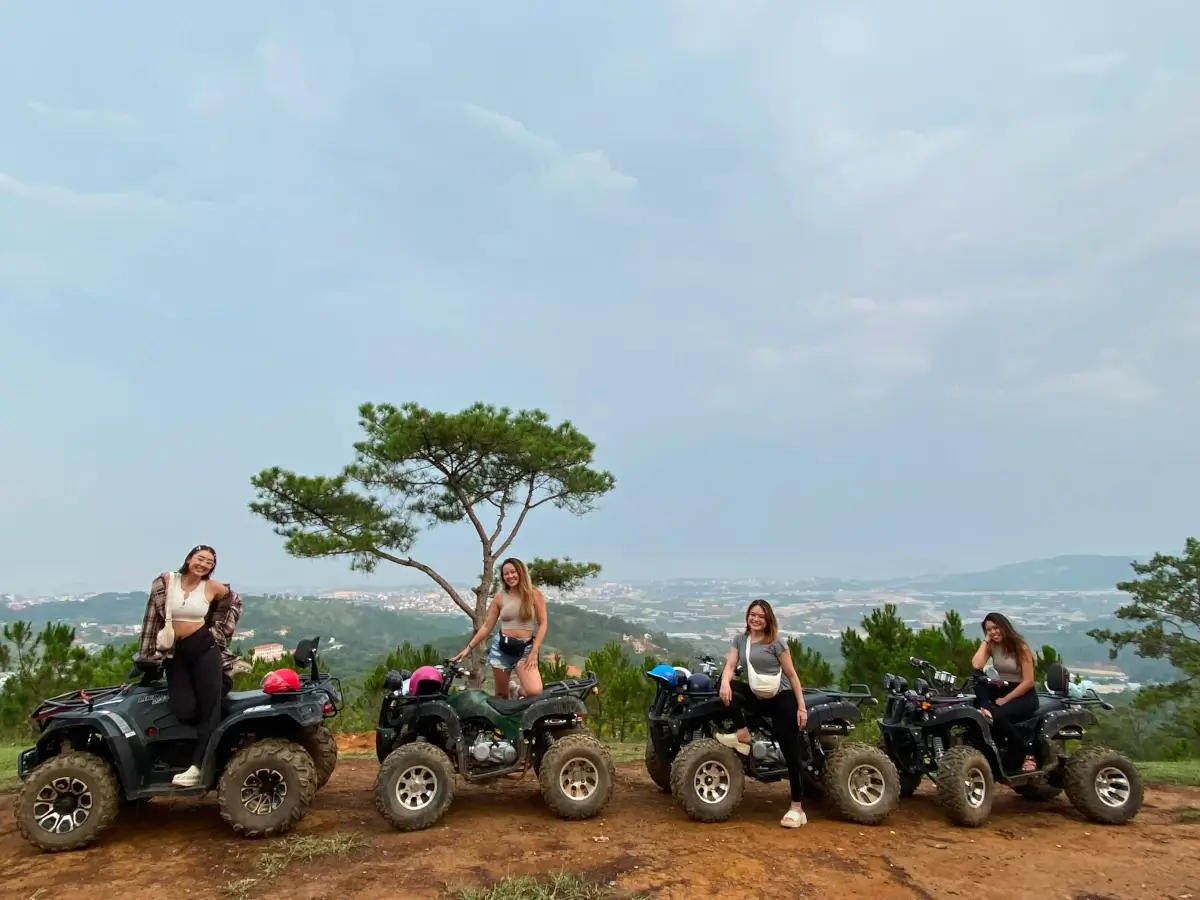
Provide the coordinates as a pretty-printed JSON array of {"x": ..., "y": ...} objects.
[{"x": 643, "y": 842}]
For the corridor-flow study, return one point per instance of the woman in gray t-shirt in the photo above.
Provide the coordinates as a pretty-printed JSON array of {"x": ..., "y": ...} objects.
[{"x": 772, "y": 690}]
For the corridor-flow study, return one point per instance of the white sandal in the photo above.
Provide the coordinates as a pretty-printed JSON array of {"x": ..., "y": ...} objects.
[
  {"x": 793, "y": 818},
  {"x": 731, "y": 741}
]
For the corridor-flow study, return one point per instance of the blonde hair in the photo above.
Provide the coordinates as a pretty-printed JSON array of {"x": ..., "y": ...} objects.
[{"x": 524, "y": 586}]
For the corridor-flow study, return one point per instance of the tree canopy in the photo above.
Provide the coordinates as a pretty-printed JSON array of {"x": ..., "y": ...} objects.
[{"x": 416, "y": 469}]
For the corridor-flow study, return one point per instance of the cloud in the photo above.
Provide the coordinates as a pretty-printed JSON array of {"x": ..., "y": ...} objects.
[
  {"x": 1091, "y": 63},
  {"x": 585, "y": 172},
  {"x": 64, "y": 197}
]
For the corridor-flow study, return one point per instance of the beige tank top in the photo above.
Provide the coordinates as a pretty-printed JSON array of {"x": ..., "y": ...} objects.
[
  {"x": 510, "y": 614},
  {"x": 1007, "y": 668}
]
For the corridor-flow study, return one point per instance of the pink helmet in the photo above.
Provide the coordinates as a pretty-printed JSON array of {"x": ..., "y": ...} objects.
[{"x": 426, "y": 680}]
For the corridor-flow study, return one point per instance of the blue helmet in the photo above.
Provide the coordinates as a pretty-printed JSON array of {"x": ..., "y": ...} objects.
[
  {"x": 699, "y": 683},
  {"x": 666, "y": 674}
]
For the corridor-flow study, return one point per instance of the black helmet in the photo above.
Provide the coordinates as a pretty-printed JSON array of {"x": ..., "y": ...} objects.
[{"x": 699, "y": 683}]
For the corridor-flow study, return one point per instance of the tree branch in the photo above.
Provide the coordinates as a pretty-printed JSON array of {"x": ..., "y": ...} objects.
[
  {"x": 503, "y": 548},
  {"x": 432, "y": 573}
]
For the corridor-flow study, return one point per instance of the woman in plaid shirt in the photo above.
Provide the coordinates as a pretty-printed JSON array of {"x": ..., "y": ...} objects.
[{"x": 203, "y": 614}]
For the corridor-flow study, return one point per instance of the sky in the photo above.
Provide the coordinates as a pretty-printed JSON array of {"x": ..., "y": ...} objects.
[{"x": 837, "y": 289}]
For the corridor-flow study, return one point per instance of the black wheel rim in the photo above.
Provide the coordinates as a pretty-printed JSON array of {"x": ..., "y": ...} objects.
[
  {"x": 263, "y": 791},
  {"x": 63, "y": 805}
]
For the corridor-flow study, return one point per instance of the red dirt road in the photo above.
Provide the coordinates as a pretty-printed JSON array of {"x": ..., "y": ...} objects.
[{"x": 643, "y": 843}]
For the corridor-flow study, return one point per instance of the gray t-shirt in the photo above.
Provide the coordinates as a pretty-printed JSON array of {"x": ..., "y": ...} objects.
[{"x": 764, "y": 657}]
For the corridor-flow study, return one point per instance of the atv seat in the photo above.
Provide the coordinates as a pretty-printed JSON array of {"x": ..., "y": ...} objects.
[
  {"x": 239, "y": 701},
  {"x": 512, "y": 707},
  {"x": 816, "y": 698}
]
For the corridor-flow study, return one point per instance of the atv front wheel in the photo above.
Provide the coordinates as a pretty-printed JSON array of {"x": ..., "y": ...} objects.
[
  {"x": 861, "y": 782},
  {"x": 659, "y": 771},
  {"x": 1104, "y": 785},
  {"x": 322, "y": 747},
  {"x": 415, "y": 786},
  {"x": 577, "y": 776},
  {"x": 965, "y": 786},
  {"x": 267, "y": 787},
  {"x": 1038, "y": 791},
  {"x": 707, "y": 780},
  {"x": 67, "y": 801}
]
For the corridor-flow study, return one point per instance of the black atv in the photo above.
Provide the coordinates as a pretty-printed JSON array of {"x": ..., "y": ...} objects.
[
  {"x": 101, "y": 746},
  {"x": 935, "y": 730},
  {"x": 426, "y": 736},
  {"x": 707, "y": 778}
]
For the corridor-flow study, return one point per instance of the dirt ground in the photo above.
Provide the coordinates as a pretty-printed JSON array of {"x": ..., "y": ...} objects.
[{"x": 643, "y": 843}]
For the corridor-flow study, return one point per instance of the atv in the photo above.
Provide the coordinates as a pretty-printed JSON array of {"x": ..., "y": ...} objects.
[
  {"x": 707, "y": 778},
  {"x": 428, "y": 732},
  {"x": 935, "y": 730},
  {"x": 102, "y": 747}
]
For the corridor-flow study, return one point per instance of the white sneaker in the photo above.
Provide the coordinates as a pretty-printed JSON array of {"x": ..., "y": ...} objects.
[
  {"x": 731, "y": 741},
  {"x": 190, "y": 778}
]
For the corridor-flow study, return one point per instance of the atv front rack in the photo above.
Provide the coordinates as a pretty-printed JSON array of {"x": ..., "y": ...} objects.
[{"x": 71, "y": 701}]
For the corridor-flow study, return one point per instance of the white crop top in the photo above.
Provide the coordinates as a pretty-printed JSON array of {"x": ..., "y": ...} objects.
[{"x": 192, "y": 607}]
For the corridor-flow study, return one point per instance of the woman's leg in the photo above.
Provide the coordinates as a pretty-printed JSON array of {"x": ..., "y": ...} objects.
[
  {"x": 531, "y": 678},
  {"x": 208, "y": 679},
  {"x": 1005, "y": 718},
  {"x": 743, "y": 699},
  {"x": 501, "y": 678},
  {"x": 180, "y": 695},
  {"x": 786, "y": 728}
]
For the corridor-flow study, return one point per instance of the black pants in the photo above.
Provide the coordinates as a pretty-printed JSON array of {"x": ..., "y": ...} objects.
[
  {"x": 1004, "y": 717},
  {"x": 780, "y": 711},
  {"x": 196, "y": 682}
]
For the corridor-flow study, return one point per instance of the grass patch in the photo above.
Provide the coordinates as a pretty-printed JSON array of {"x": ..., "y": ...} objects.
[
  {"x": 557, "y": 887},
  {"x": 8, "y": 769},
  {"x": 627, "y": 752},
  {"x": 289, "y": 850},
  {"x": 1185, "y": 773},
  {"x": 1187, "y": 815}
]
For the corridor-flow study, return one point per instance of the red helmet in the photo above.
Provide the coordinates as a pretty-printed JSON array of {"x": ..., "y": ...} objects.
[{"x": 281, "y": 680}]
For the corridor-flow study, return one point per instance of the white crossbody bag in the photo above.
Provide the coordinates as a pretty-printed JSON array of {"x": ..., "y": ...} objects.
[
  {"x": 165, "y": 639},
  {"x": 763, "y": 686}
]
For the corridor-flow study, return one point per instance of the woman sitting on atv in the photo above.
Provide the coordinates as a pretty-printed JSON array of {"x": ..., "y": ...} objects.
[
  {"x": 772, "y": 690},
  {"x": 189, "y": 622},
  {"x": 521, "y": 610},
  {"x": 1012, "y": 699}
]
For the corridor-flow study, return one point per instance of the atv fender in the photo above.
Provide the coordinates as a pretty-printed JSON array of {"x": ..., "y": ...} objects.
[
  {"x": 959, "y": 714},
  {"x": 411, "y": 714},
  {"x": 301, "y": 714},
  {"x": 119, "y": 737},
  {"x": 840, "y": 710},
  {"x": 550, "y": 707},
  {"x": 1065, "y": 718}
]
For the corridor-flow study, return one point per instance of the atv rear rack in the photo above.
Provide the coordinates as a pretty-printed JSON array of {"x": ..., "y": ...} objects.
[{"x": 85, "y": 698}]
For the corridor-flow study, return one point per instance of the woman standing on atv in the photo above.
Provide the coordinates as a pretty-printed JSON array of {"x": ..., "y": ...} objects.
[
  {"x": 189, "y": 622},
  {"x": 772, "y": 690},
  {"x": 1014, "y": 699},
  {"x": 521, "y": 609}
]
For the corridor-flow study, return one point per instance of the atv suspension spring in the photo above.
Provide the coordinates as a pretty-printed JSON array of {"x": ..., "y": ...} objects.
[{"x": 938, "y": 748}]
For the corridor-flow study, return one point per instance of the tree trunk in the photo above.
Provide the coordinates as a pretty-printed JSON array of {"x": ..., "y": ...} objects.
[{"x": 483, "y": 596}]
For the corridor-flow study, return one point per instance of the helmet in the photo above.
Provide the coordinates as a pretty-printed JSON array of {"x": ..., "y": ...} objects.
[
  {"x": 425, "y": 680},
  {"x": 281, "y": 681},
  {"x": 681, "y": 676},
  {"x": 699, "y": 683},
  {"x": 665, "y": 674}
]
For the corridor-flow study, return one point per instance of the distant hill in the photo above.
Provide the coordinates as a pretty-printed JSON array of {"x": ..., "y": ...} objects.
[{"x": 1058, "y": 573}]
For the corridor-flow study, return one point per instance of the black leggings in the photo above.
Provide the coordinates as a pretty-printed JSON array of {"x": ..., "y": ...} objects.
[
  {"x": 780, "y": 710},
  {"x": 1004, "y": 717},
  {"x": 196, "y": 682}
]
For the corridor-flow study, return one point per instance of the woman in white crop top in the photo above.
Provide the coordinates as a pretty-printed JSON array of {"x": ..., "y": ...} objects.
[
  {"x": 202, "y": 615},
  {"x": 520, "y": 608}
]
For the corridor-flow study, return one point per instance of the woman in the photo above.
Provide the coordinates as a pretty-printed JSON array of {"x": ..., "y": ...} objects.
[
  {"x": 773, "y": 692},
  {"x": 189, "y": 622},
  {"x": 1015, "y": 699},
  {"x": 521, "y": 609}
]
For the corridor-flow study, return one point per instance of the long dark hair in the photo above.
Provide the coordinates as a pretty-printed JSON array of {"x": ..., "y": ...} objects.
[
  {"x": 771, "y": 629},
  {"x": 183, "y": 570},
  {"x": 1010, "y": 638}
]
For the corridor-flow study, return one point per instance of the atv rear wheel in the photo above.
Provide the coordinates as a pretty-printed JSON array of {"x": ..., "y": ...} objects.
[
  {"x": 707, "y": 780},
  {"x": 267, "y": 787},
  {"x": 415, "y": 786},
  {"x": 861, "y": 782},
  {"x": 1104, "y": 785},
  {"x": 322, "y": 747},
  {"x": 965, "y": 786},
  {"x": 577, "y": 776},
  {"x": 1038, "y": 791},
  {"x": 908, "y": 782},
  {"x": 68, "y": 801},
  {"x": 659, "y": 771}
]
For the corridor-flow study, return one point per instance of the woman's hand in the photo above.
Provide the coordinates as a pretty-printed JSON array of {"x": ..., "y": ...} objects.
[
  {"x": 460, "y": 655},
  {"x": 802, "y": 716},
  {"x": 529, "y": 663},
  {"x": 1000, "y": 701},
  {"x": 726, "y": 692}
]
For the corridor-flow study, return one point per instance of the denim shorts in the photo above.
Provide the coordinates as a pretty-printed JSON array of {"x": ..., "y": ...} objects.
[{"x": 505, "y": 661}]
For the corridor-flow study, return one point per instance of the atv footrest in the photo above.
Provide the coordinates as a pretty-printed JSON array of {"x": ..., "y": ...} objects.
[{"x": 166, "y": 789}]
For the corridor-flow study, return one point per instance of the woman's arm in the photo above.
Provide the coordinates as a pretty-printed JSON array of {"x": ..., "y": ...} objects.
[
  {"x": 980, "y": 659},
  {"x": 539, "y": 606},
  {"x": 152, "y": 622},
  {"x": 785, "y": 662},
  {"x": 731, "y": 659},
  {"x": 485, "y": 629},
  {"x": 225, "y": 610},
  {"x": 1026, "y": 683}
]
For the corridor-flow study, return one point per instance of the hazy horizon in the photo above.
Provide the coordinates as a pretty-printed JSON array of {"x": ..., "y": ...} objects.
[{"x": 872, "y": 290}]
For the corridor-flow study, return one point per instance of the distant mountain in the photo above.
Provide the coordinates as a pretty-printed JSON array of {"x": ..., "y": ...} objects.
[{"x": 1058, "y": 573}]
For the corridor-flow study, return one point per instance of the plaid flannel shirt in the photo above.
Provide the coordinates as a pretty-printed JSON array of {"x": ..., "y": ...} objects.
[{"x": 221, "y": 619}]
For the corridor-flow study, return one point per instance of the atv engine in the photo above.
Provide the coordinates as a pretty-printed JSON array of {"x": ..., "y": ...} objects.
[
  {"x": 491, "y": 747},
  {"x": 766, "y": 751}
]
